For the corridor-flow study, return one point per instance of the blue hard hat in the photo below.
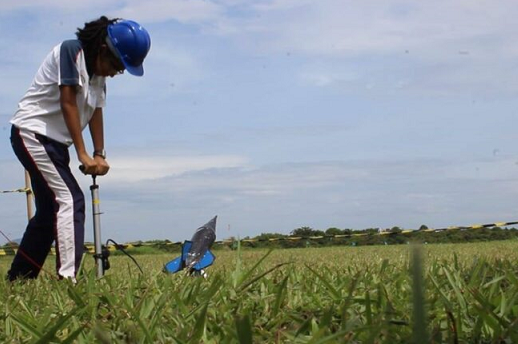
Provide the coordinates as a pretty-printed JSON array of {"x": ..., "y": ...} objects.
[{"x": 130, "y": 42}]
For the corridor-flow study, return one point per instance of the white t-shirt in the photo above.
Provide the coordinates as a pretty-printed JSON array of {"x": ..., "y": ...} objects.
[{"x": 39, "y": 111}]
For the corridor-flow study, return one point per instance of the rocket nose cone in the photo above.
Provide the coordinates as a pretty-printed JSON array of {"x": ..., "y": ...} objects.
[{"x": 212, "y": 224}]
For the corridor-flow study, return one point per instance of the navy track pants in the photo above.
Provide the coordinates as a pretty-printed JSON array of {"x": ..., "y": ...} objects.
[{"x": 60, "y": 207}]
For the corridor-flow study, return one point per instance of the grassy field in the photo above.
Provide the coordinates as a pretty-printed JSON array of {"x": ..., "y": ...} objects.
[{"x": 451, "y": 293}]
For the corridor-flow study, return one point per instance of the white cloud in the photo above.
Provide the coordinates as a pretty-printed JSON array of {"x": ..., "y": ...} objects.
[
  {"x": 9, "y": 5},
  {"x": 278, "y": 198},
  {"x": 417, "y": 33},
  {"x": 351, "y": 27},
  {"x": 330, "y": 27},
  {"x": 134, "y": 169},
  {"x": 166, "y": 197},
  {"x": 184, "y": 11}
]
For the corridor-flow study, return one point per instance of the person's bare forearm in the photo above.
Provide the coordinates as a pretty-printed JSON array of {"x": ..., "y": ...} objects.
[
  {"x": 97, "y": 129},
  {"x": 97, "y": 132},
  {"x": 71, "y": 116}
]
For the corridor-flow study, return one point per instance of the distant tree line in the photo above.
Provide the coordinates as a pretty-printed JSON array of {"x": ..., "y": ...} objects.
[
  {"x": 371, "y": 236},
  {"x": 309, "y": 237}
]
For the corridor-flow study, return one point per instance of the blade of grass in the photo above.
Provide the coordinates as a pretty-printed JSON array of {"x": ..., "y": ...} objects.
[
  {"x": 199, "y": 326},
  {"x": 244, "y": 329},
  {"x": 26, "y": 326},
  {"x": 280, "y": 296},
  {"x": 420, "y": 334},
  {"x": 73, "y": 336},
  {"x": 332, "y": 290},
  {"x": 246, "y": 285},
  {"x": 51, "y": 333},
  {"x": 244, "y": 277}
]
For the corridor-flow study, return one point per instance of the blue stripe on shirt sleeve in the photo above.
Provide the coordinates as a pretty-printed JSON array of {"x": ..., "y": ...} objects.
[{"x": 68, "y": 62}]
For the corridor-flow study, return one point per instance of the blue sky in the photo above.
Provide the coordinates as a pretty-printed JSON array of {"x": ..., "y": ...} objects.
[{"x": 286, "y": 113}]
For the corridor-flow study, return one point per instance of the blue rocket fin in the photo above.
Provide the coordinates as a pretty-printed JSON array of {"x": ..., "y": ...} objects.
[
  {"x": 206, "y": 261},
  {"x": 174, "y": 265},
  {"x": 186, "y": 247},
  {"x": 178, "y": 263}
]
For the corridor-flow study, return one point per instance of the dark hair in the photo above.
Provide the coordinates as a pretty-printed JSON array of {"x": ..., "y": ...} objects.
[{"x": 92, "y": 36}]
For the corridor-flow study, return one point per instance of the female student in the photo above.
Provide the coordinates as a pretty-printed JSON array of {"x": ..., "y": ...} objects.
[{"x": 67, "y": 94}]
